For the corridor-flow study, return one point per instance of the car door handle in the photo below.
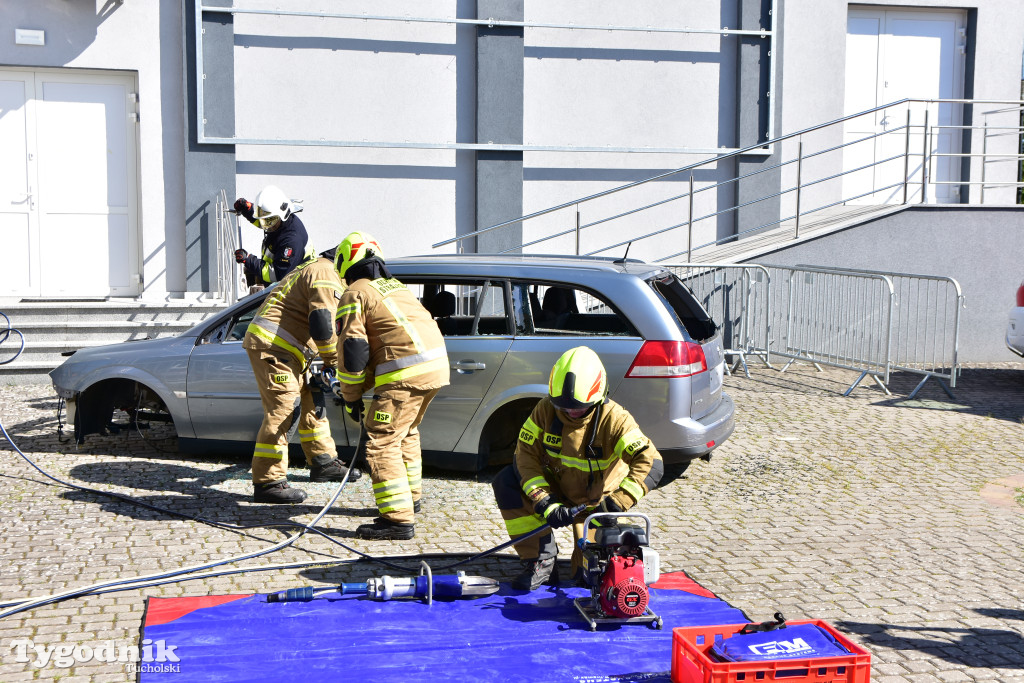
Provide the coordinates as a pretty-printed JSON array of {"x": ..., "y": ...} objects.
[{"x": 468, "y": 365}]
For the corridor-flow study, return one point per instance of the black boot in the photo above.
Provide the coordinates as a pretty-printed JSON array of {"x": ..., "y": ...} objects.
[
  {"x": 277, "y": 492},
  {"x": 382, "y": 529},
  {"x": 417, "y": 505},
  {"x": 326, "y": 468},
  {"x": 537, "y": 572}
]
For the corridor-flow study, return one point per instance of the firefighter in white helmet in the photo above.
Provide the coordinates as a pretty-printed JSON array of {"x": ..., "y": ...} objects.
[
  {"x": 293, "y": 326},
  {"x": 576, "y": 448},
  {"x": 388, "y": 343},
  {"x": 285, "y": 242}
]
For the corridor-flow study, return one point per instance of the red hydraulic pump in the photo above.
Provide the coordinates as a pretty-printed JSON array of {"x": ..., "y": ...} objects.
[{"x": 617, "y": 565}]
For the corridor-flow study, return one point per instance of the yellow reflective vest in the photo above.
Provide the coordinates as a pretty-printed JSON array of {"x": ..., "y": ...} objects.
[
  {"x": 406, "y": 349},
  {"x": 283, "y": 320},
  {"x": 552, "y": 456}
]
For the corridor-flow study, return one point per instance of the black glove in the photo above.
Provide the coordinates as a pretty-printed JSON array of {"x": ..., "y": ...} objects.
[
  {"x": 355, "y": 409},
  {"x": 240, "y": 255},
  {"x": 608, "y": 504},
  {"x": 556, "y": 514},
  {"x": 243, "y": 206}
]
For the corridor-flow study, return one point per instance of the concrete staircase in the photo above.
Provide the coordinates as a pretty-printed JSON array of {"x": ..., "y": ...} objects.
[
  {"x": 812, "y": 226},
  {"x": 53, "y": 330}
]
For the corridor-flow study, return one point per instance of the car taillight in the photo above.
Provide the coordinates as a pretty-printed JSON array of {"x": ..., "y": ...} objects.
[
  {"x": 1020, "y": 295},
  {"x": 668, "y": 359}
]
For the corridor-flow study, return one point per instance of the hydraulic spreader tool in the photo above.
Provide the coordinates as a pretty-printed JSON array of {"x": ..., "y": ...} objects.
[
  {"x": 618, "y": 566},
  {"x": 426, "y": 587}
]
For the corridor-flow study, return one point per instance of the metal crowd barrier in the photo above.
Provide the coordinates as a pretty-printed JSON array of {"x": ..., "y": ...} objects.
[
  {"x": 926, "y": 326},
  {"x": 736, "y": 296},
  {"x": 871, "y": 322}
]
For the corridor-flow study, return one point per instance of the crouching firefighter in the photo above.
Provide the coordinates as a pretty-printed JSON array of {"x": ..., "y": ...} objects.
[
  {"x": 294, "y": 325},
  {"x": 390, "y": 343},
  {"x": 576, "y": 448}
]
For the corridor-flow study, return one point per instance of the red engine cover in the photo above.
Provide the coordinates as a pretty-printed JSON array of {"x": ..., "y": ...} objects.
[{"x": 623, "y": 591}]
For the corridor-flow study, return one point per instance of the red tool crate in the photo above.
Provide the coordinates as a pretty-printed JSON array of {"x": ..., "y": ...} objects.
[{"x": 691, "y": 664}]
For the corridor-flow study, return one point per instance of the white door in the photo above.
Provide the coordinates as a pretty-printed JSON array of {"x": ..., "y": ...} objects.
[
  {"x": 78, "y": 150},
  {"x": 18, "y": 219},
  {"x": 893, "y": 55}
]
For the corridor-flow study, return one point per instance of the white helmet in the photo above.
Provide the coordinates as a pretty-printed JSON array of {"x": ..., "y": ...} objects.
[{"x": 272, "y": 208}]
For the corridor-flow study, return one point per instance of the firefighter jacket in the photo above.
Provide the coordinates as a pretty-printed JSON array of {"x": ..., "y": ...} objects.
[
  {"x": 283, "y": 250},
  {"x": 387, "y": 335},
  {"x": 298, "y": 315},
  {"x": 553, "y": 457}
]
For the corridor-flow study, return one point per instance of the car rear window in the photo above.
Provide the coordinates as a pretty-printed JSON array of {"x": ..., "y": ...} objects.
[
  {"x": 688, "y": 312},
  {"x": 464, "y": 308}
]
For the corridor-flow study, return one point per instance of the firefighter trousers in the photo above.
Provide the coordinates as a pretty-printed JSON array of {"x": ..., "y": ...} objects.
[
  {"x": 282, "y": 384},
  {"x": 393, "y": 449},
  {"x": 517, "y": 511}
]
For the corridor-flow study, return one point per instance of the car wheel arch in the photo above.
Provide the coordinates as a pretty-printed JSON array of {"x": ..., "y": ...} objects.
[{"x": 113, "y": 384}]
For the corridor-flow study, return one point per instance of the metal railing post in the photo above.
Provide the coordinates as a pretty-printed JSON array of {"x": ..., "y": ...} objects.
[
  {"x": 906, "y": 158},
  {"x": 689, "y": 225},
  {"x": 984, "y": 151},
  {"x": 924, "y": 160},
  {"x": 799, "y": 170},
  {"x": 577, "y": 229}
]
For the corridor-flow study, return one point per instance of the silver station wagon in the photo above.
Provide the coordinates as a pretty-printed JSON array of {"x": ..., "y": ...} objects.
[{"x": 505, "y": 319}]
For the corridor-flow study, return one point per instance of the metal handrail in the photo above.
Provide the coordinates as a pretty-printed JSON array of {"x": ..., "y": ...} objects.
[{"x": 924, "y": 153}]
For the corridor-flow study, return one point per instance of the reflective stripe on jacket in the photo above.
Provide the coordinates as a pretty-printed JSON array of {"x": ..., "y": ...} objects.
[
  {"x": 283, "y": 319},
  {"x": 406, "y": 348},
  {"x": 552, "y": 456}
]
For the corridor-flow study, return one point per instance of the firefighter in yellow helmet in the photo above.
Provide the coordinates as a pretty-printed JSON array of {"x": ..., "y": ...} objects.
[
  {"x": 285, "y": 242},
  {"x": 292, "y": 327},
  {"x": 576, "y": 448},
  {"x": 388, "y": 343}
]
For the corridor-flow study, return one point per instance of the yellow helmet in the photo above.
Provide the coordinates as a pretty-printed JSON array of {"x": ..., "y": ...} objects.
[
  {"x": 577, "y": 380},
  {"x": 354, "y": 248}
]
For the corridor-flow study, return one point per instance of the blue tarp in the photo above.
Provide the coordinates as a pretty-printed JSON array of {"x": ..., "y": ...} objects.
[{"x": 511, "y": 636}]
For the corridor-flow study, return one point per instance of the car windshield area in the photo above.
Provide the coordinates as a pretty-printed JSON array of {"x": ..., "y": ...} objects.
[
  {"x": 464, "y": 308},
  {"x": 689, "y": 313},
  {"x": 566, "y": 311},
  {"x": 232, "y": 329}
]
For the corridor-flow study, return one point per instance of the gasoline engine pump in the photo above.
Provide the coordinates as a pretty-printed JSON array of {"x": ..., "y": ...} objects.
[{"x": 618, "y": 565}]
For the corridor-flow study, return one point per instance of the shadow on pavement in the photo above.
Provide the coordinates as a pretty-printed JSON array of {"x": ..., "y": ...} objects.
[{"x": 973, "y": 647}]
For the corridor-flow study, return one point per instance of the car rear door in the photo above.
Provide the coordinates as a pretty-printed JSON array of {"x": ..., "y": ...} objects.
[
  {"x": 555, "y": 317},
  {"x": 473, "y": 316}
]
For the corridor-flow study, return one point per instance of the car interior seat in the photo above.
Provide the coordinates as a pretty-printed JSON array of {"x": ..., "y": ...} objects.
[
  {"x": 559, "y": 303},
  {"x": 442, "y": 307}
]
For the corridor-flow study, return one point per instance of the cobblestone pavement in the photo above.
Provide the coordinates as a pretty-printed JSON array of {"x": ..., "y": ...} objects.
[{"x": 897, "y": 521}]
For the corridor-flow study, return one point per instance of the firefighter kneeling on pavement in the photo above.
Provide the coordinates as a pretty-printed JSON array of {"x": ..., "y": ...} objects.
[
  {"x": 576, "y": 448},
  {"x": 293, "y": 326},
  {"x": 389, "y": 343}
]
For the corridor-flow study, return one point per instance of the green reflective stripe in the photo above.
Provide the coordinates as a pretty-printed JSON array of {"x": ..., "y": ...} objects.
[
  {"x": 414, "y": 371},
  {"x": 535, "y": 483},
  {"x": 267, "y": 271},
  {"x": 553, "y": 454},
  {"x": 351, "y": 378},
  {"x": 632, "y": 488},
  {"x": 629, "y": 444},
  {"x": 327, "y": 348},
  {"x": 258, "y": 331},
  {"x": 395, "y": 504},
  {"x": 551, "y": 508},
  {"x": 529, "y": 432},
  {"x": 584, "y": 465},
  {"x": 409, "y": 328},
  {"x": 328, "y": 284},
  {"x": 349, "y": 309},
  {"x": 392, "y": 495},
  {"x": 414, "y": 359},
  {"x": 307, "y": 435},
  {"x": 414, "y": 473},
  {"x": 269, "y": 450},
  {"x": 523, "y": 525}
]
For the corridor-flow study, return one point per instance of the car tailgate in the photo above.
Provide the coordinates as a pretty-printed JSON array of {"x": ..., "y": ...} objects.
[{"x": 706, "y": 387}]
